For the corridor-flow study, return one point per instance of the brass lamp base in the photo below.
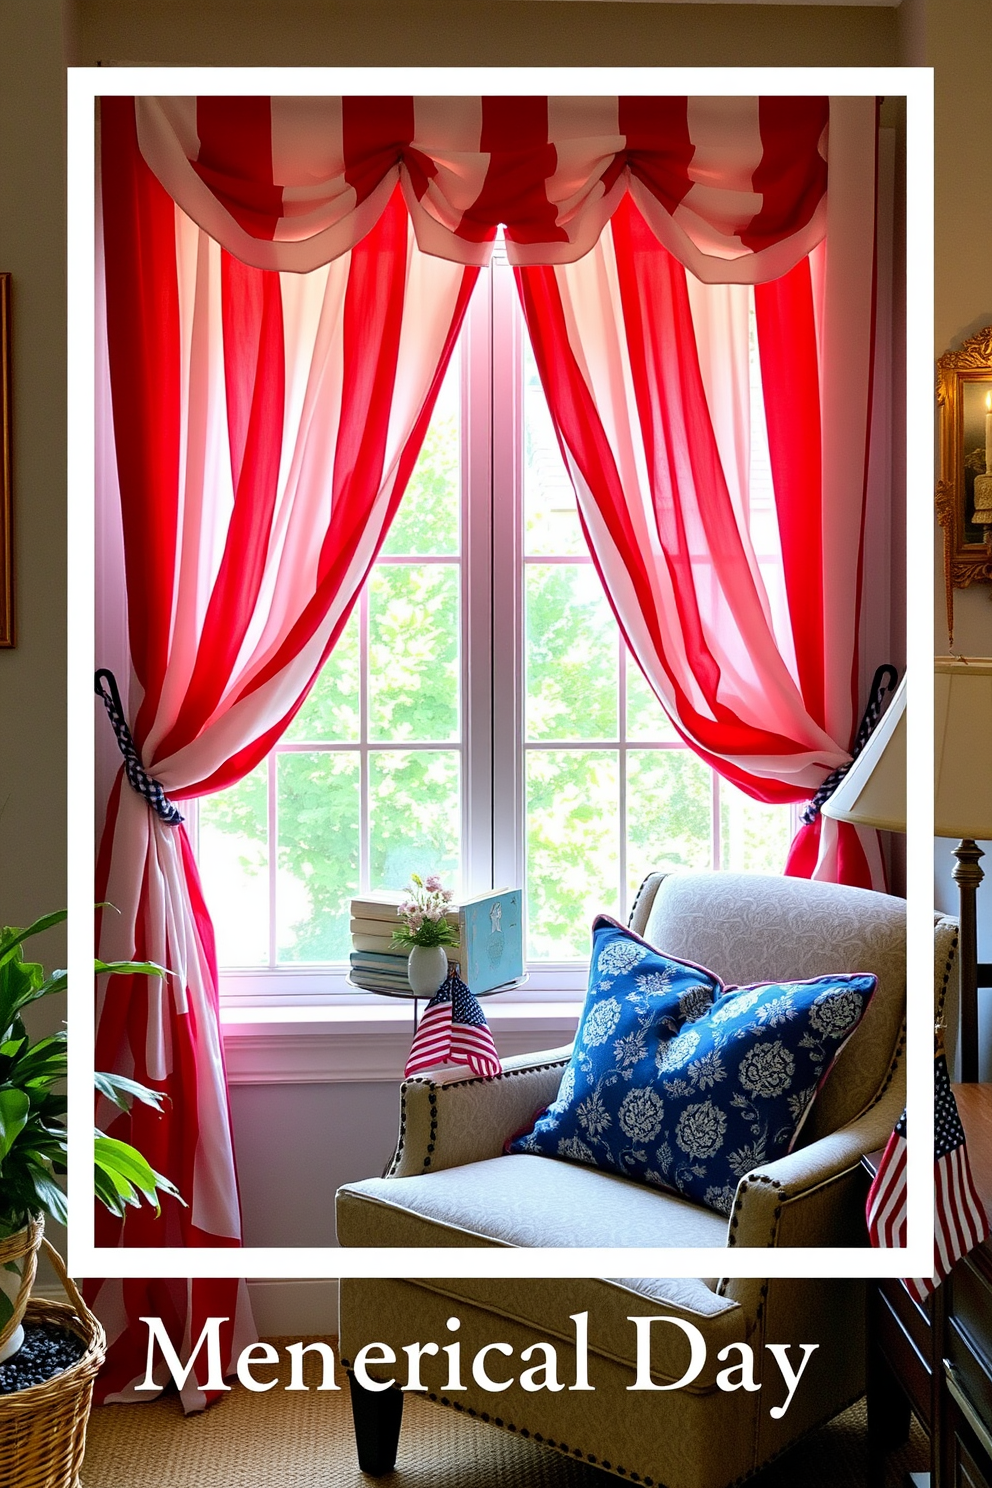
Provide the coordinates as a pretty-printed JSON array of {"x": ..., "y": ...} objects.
[{"x": 968, "y": 875}]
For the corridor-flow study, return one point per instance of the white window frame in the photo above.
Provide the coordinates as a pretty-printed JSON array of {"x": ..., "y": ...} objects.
[{"x": 492, "y": 666}]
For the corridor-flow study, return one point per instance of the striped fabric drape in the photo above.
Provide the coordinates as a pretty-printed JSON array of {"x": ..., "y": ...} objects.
[
  {"x": 648, "y": 412},
  {"x": 265, "y": 427},
  {"x": 736, "y": 188},
  {"x": 732, "y": 189}
]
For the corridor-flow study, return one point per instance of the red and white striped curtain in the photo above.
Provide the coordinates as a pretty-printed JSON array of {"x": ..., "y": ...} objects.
[
  {"x": 646, "y": 372},
  {"x": 265, "y": 427},
  {"x": 285, "y": 279},
  {"x": 735, "y": 188}
]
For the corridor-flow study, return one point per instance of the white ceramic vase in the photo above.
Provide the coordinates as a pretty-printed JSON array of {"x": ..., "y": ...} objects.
[
  {"x": 10, "y": 1285},
  {"x": 427, "y": 969},
  {"x": 18, "y": 1262}
]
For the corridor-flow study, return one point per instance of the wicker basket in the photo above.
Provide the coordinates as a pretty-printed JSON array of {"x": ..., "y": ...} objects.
[{"x": 43, "y": 1429}]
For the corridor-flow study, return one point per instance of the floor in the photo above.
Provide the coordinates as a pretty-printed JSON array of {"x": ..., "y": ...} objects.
[{"x": 304, "y": 1440}]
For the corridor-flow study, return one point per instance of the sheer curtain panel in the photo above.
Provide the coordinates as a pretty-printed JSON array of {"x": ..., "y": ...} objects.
[
  {"x": 646, "y": 374},
  {"x": 265, "y": 426}
]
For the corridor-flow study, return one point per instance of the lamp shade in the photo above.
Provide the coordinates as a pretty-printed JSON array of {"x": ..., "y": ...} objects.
[
  {"x": 962, "y": 708},
  {"x": 873, "y": 792}
]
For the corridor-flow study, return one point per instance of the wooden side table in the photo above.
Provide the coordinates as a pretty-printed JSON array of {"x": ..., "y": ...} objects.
[{"x": 935, "y": 1359}]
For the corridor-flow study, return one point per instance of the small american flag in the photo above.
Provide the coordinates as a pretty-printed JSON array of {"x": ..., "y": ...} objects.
[
  {"x": 453, "y": 1030},
  {"x": 960, "y": 1222}
]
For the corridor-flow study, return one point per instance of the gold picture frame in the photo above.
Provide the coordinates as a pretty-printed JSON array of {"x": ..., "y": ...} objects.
[
  {"x": 6, "y": 500},
  {"x": 964, "y": 403}
]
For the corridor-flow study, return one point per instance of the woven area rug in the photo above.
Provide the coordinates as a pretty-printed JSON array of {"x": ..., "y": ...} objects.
[{"x": 304, "y": 1440}]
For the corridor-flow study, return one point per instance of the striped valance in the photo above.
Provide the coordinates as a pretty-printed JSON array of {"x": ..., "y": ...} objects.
[{"x": 734, "y": 187}]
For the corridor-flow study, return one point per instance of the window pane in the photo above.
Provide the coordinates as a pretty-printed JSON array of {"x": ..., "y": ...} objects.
[
  {"x": 551, "y": 521},
  {"x": 753, "y": 838},
  {"x": 572, "y": 847},
  {"x": 318, "y": 809},
  {"x": 427, "y": 520},
  {"x": 233, "y": 857},
  {"x": 572, "y": 656},
  {"x": 646, "y": 718},
  {"x": 669, "y": 812},
  {"x": 414, "y": 816},
  {"x": 330, "y": 713},
  {"x": 413, "y": 652}
]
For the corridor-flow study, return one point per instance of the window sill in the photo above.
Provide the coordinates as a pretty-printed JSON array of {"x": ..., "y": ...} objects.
[
  {"x": 368, "y": 1041},
  {"x": 328, "y": 987}
]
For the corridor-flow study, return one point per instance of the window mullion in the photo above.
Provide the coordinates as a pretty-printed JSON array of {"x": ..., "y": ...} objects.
[
  {"x": 622, "y": 773},
  {"x": 476, "y": 593},
  {"x": 364, "y": 860},
  {"x": 717, "y": 833},
  {"x": 507, "y": 579},
  {"x": 272, "y": 832}
]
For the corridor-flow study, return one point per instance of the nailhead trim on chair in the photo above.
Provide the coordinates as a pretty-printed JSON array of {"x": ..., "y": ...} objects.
[
  {"x": 545, "y": 1441},
  {"x": 432, "y": 1093},
  {"x": 396, "y": 1158},
  {"x": 897, "y": 1054},
  {"x": 742, "y": 1192},
  {"x": 511, "y": 1074},
  {"x": 948, "y": 964},
  {"x": 637, "y": 896},
  {"x": 432, "y": 1098}
]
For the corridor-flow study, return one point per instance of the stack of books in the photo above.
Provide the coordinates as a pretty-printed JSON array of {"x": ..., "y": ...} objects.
[
  {"x": 488, "y": 953},
  {"x": 377, "y": 964}
]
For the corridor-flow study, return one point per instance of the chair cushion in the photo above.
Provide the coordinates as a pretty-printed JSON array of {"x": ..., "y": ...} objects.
[
  {"x": 520, "y": 1200},
  {"x": 684, "y": 1083}
]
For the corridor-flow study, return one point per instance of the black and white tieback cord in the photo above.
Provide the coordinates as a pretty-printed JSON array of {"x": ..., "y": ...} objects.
[
  {"x": 138, "y": 776},
  {"x": 882, "y": 684}
]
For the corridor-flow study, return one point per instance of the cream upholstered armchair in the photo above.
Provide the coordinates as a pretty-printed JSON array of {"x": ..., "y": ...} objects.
[{"x": 450, "y": 1185}]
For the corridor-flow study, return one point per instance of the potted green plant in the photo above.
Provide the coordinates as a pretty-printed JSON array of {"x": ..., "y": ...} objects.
[{"x": 33, "y": 1131}]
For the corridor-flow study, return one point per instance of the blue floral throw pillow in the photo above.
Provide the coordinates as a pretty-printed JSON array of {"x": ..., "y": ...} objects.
[{"x": 686, "y": 1084}]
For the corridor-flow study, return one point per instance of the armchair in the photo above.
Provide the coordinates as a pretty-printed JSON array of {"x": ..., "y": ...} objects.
[{"x": 449, "y": 1185}]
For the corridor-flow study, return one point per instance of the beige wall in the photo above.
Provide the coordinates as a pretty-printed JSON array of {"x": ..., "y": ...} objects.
[
  {"x": 958, "y": 43},
  {"x": 32, "y": 675},
  {"x": 479, "y": 32}
]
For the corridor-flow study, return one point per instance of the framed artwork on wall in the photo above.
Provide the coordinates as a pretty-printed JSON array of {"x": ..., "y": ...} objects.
[
  {"x": 6, "y": 519},
  {"x": 964, "y": 487}
]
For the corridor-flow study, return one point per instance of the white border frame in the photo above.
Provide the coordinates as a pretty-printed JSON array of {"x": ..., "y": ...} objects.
[{"x": 88, "y": 1259}]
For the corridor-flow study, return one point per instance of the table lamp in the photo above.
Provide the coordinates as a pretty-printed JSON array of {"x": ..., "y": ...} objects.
[
  {"x": 873, "y": 794},
  {"x": 962, "y": 707}
]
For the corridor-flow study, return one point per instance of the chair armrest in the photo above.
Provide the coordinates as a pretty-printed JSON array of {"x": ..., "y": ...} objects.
[
  {"x": 815, "y": 1195},
  {"x": 450, "y": 1116}
]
